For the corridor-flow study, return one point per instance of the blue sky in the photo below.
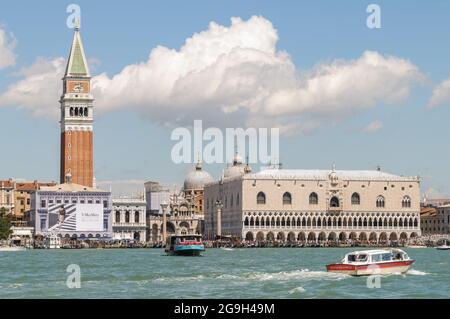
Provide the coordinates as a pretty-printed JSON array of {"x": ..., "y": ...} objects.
[{"x": 413, "y": 139}]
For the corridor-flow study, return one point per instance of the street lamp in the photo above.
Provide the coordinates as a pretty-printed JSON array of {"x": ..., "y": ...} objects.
[
  {"x": 219, "y": 207},
  {"x": 164, "y": 206}
]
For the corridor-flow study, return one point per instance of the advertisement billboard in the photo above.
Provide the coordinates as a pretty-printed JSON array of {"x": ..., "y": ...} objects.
[{"x": 89, "y": 217}]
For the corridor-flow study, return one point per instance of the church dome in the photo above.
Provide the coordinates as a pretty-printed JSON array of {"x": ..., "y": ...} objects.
[
  {"x": 234, "y": 171},
  {"x": 237, "y": 169},
  {"x": 197, "y": 178}
]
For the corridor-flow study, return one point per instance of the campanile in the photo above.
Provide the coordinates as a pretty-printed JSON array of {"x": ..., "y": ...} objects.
[{"x": 77, "y": 117}]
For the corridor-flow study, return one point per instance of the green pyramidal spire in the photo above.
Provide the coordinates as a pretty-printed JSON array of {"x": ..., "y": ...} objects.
[{"x": 77, "y": 65}]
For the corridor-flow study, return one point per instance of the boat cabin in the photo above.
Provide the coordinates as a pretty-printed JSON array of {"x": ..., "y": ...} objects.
[
  {"x": 175, "y": 240},
  {"x": 375, "y": 256}
]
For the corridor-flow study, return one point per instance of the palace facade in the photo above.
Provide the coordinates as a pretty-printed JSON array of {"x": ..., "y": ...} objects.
[
  {"x": 312, "y": 205},
  {"x": 129, "y": 219}
]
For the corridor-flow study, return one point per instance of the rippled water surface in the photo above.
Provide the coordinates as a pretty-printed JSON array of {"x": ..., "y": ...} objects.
[{"x": 236, "y": 273}]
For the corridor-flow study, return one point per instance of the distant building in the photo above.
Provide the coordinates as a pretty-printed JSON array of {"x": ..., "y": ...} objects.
[
  {"x": 435, "y": 220},
  {"x": 155, "y": 194},
  {"x": 193, "y": 187},
  {"x": 7, "y": 195},
  {"x": 185, "y": 212},
  {"x": 15, "y": 196},
  {"x": 72, "y": 211},
  {"x": 129, "y": 219},
  {"x": 313, "y": 205},
  {"x": 22, "y": 198}
]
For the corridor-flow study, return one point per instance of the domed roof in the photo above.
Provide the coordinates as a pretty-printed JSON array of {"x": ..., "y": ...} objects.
[
  {"x": 234, "y": 171},
  {"x": 197, "y": 178},
  {"x": 237, "y": 169}
]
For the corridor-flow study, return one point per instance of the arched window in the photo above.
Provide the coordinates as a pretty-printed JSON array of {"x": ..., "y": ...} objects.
[
  {"x": 356, "y": 200},
  {"x": 313, "y": 199},
  {"x": 334, "y": 202},
  {"x": 237, "y": 199},
  {"x": 80, "y": 112},
  {"x": 261, "y": 198},
  {"x": 406, "y": 202},
  {"x": 117, "y": 217},
  {"x": 71, "y": 111},
  {"x": 85, "y": 111},
  {"x": 127, "y": 217},
  {"x": 231, "y": 200},
  {"x": 287, "y": 198},
  {"x": 136, "y": 217},
  {"x": 380, "y": 201},
  {"x": 76, "y": 111}
]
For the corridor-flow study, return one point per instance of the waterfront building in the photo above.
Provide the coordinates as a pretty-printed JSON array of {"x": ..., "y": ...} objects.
[
  {"x": 7, "y": 195},
  {"x": 129, "y": 219},
  {"x": 185, "y": 212},
  {"x": 15, "y": 197},
  {"x": 22, "y": 198},
  {"x": 77, "y": 116},
  {"x": 155, "y": 194},
  {"x": 193, "y": 187},
  {"x": 181, "y": 219},
  {"x": 435, "y": 220},
  {"x": 312, "y": 205},
  {"x": 73, "y": 211}
]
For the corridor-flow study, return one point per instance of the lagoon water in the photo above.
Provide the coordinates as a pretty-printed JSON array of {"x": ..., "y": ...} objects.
[{"x": 236, "y": 273}]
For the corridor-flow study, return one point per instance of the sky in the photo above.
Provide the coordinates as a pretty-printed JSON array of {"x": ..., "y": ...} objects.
[{"x": 340, "y": 92}]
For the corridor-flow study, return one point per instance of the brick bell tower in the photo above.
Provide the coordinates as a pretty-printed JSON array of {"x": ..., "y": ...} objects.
[{"x": 77, "y": 117}]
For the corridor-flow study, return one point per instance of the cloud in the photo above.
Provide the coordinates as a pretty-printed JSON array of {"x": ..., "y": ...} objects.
[
  {"x": 373, "y": 127},
  {"x": 440, "y": 95},
  {"x": 39, "y": 90},
  {"x": 235, "y": 76},
  {"x": 7, "y": 45}
]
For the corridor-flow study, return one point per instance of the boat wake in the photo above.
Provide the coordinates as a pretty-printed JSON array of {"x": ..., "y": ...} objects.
[
  {"x": 417, "y": 272},
  {"x": 227, "y": 249},
  {"x": 298, "y": 275},
  {"x": 302, "y": 274},
  {"x": 297, "y": 290}
]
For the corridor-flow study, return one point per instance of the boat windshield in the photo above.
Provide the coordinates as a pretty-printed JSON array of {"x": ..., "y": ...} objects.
[{"x": 356, "y": 258}]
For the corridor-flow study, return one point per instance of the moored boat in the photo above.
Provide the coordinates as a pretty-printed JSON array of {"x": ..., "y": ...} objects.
[
  {"x": 373, "y": 262},
  {"x": 443, "y": 247},
  {"x": 184, "y": 245}
]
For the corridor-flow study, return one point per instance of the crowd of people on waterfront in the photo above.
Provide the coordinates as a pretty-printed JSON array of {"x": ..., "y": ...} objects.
[{"x": 79, "y": 244}]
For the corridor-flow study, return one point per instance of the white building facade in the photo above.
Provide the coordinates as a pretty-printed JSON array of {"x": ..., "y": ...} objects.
[
  {"x": 314, "y": 205},
  {"x": 72, "y": 211},
  {"x": 129, "y": 219}
]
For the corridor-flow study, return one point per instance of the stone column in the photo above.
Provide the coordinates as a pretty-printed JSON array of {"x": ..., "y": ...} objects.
[
  {"x": 164, "y": 207},
  {"x": 219, "y": 207}
]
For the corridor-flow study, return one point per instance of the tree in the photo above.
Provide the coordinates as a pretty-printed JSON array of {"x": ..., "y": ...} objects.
[{"x": 5, "y": 224}]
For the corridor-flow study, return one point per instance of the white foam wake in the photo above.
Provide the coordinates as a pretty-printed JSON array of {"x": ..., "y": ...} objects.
[
  {"x": 302, "y": 274},
  {"x": 297, "y": 290},
  {"x": 416, "y": 272}
]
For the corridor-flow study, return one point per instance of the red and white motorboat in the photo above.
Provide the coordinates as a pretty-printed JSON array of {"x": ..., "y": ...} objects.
[{"x": 373, "y": 262}]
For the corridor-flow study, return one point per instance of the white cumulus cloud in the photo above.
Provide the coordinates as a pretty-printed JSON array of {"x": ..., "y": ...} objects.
[
  {"x": 373, "y": 127},
  {"x": 234, "y": 76},
  {"x": 440, "y": 95},
  {"x": 7, "y": 45}
]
